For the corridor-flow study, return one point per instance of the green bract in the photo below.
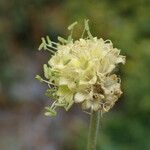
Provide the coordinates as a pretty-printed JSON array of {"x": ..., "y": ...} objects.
[{"x": 81, "y": 72}]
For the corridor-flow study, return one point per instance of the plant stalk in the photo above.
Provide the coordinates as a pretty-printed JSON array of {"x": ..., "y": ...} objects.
[{"x": 93, "y": 130}]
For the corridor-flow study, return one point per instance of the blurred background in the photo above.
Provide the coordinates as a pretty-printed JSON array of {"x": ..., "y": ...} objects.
[{"x": 22, "y": 123}]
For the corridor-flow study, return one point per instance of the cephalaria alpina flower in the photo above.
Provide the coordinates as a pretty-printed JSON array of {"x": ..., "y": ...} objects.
[{"x": 81, "y": 71}]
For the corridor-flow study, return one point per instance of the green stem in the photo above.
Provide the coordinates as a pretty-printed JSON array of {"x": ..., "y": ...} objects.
[{"x": 93, "y": 130}]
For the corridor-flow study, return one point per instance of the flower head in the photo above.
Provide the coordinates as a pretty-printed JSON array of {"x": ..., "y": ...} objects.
[{"x": 81, "y": 71}]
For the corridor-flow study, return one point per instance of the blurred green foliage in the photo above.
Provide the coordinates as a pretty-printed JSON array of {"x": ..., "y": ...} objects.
[{"x": 125, "y": 22}]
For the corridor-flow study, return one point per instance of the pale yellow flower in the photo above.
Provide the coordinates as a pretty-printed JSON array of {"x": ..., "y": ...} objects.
[{"x": 81, "y": 72}]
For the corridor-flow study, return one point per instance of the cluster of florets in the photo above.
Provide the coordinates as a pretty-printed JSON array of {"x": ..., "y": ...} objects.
[{"x": 81, "y": 71}]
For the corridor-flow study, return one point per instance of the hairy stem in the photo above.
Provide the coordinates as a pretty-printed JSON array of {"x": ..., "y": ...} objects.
[{"x": 93, "y": 130}]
